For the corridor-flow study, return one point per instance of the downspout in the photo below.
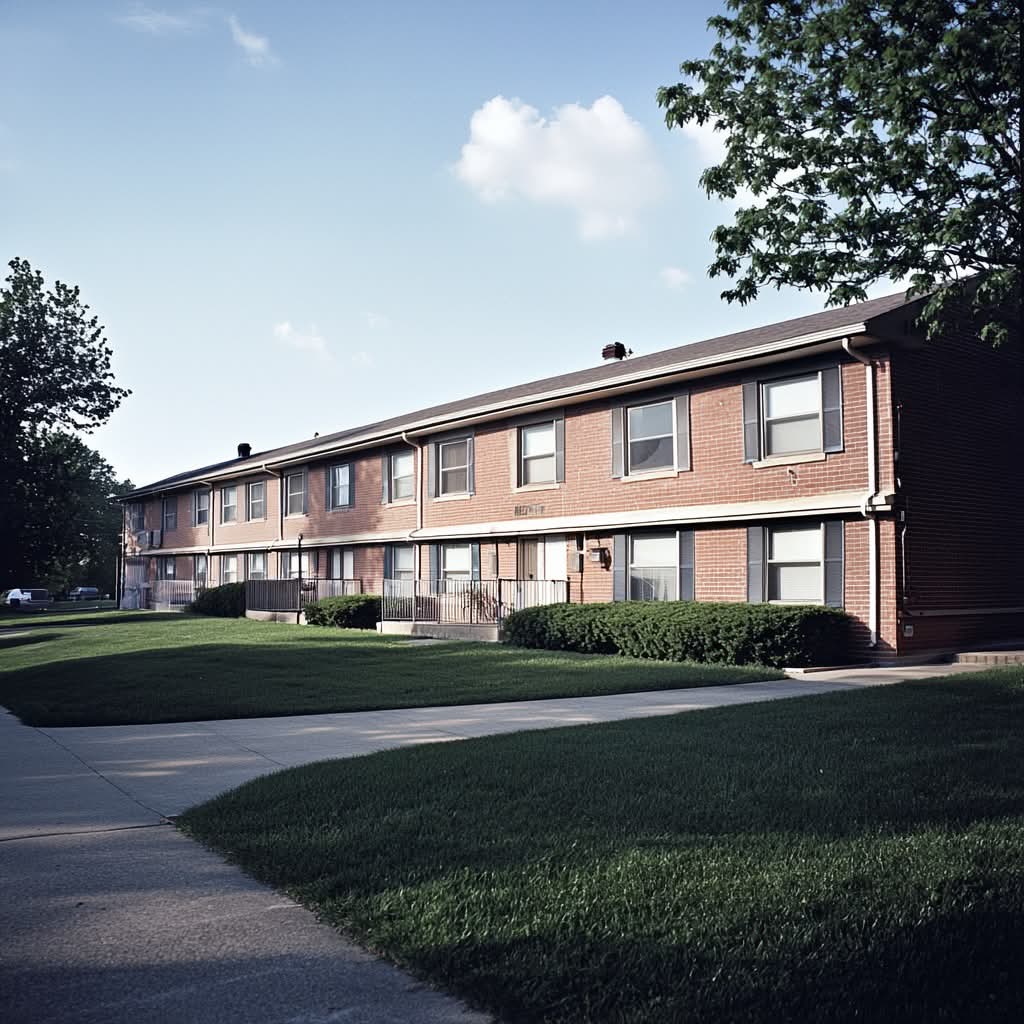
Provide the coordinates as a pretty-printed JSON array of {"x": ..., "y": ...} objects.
[
  {"x": 865, "y": 508},
  {"x": 419, "y": 502},
  {"x": 280, "y": 514}
]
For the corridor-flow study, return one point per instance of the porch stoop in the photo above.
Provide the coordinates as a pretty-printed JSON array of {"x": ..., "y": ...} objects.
[
  {"x": 440, "y": 630},
  {"x": 990, "y": 658}
]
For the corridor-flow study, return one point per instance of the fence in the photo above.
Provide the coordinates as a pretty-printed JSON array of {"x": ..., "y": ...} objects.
[
  {"x": 289, "y": 596},
  {"x": 167, "y": 594},
  {"x": 466, "y": 602}
]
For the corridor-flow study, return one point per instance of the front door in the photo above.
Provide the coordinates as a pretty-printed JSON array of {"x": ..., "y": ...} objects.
[{"x": 530, "y": 559}]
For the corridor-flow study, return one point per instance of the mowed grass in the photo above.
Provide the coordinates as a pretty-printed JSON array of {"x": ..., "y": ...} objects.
[
  {"x": 135, "y": 667},
  {"x": 849, "y": 857}
]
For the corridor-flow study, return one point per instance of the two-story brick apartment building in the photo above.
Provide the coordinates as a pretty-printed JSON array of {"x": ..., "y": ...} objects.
[{"x": 836, "y": 458}]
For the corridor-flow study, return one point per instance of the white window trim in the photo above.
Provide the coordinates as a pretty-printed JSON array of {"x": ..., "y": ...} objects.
[
  {"x": 441, "y": 494},
  {"x": 197, "y": 495},
  {"x": 249, "y": 556},
  {"x": 522, "y": 457},
  {"x": 769, "y": 562},
  {"x": 411, "y": 499},
  {"x": 223, "y": 521},
  {"x": 285, "y": 494},
  {"x": 763, "y": 420},
  {"x": 249, "y": 517},
  {"x": 336, "y": 506},
  {"x": 630, "y": 564},
  {"x": 164, "y": 502},
  {"x": 649, "y": 474}
]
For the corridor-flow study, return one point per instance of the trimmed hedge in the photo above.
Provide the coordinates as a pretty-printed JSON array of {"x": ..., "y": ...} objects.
[
  {"x": 354, "y": 611},
  {"x": 734, "y": 634},
  {"x": 226, "y": 601}
]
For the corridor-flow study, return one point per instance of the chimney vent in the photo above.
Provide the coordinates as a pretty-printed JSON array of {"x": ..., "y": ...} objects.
[
  {"x": 244, "y": 450},
  {"x": 616, "y": 350}
]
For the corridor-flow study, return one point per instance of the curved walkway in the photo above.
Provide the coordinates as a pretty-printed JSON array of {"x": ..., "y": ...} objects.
[{"x": 109, "y": 915}]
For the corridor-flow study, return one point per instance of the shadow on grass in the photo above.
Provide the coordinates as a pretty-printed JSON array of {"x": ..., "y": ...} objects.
[{"x": 25, "y": 639}]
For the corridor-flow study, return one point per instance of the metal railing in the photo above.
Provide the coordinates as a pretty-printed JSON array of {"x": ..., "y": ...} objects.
[
  {"x": 291, "y": 595},
  {"x": 466, "y": 602},
  {"x": 171, "y": 593}
]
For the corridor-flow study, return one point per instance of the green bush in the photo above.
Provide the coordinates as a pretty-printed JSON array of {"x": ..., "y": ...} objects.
[
  {"x": 226, "y": 601},
  {"x": 734, "y": 634},
  {"x": 354, "y": 611}
]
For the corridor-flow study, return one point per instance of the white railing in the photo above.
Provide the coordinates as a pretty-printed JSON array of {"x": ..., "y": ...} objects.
[
  {"x": 466, "y": 602},
  {"x": 290, "y": 595},
  {"x": 171, "y": 593}
]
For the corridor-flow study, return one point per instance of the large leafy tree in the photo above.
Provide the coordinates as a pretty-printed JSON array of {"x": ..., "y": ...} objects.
[
  {"x": 880, "y": 139},
  {"x": 55, "y": 377}
]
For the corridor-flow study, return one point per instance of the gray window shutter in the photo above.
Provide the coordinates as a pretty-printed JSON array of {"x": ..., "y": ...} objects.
[
  {"x": 619, "y": 567},
  {"x": 470, "y": 465},
  {"x": 751, "y": 423},
  {"x": 686, "y": 587},
  {"x": 834, "y": 563},
  {"x": 327, "y": 488},
  {"x": 618, "y": 451},
  {"x": 305, "y": 491},
  {"x": 192, "y": 512},
  {"x": 559, "y": 450},
  {"x": 832, "y": 409},
  {"x": 351, "y": 484},
  {"x": 434, "y": 554},
  {"x": 475, "y": 554},
  {"x": 385, "y": 479},
  {"x": 430, "y": 458},
  {"x": 683, "y": 431},
  {"x": 389, "y": 561},
  {"x": 755, "y": 564}
]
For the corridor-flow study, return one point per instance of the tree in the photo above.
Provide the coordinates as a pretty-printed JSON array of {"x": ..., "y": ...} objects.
[
  {"x": 880, "y": 139},
  {"x": 54, "y": 375}
]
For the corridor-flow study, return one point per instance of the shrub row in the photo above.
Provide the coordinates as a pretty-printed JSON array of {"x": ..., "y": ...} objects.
[
  {"x": 354, "y": 611},
  {"x": 226, "y": 601},
  {"x": 735, "y": 634}
]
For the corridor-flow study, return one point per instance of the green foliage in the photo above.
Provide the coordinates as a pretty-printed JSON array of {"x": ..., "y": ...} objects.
[
  {"x": 353, "y": 611},
  {"x": 715, "y": 633},
  {"x": 880, "y": 139},
  {"x": 226, "y": 601}
]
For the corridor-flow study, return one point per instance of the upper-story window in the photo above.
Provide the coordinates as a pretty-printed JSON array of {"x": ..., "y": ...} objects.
[
  {"x": 136, "y": 517},
  {"x": 169, "y": 513},
  {"x": 651, "y": 437},
  {"x": 537, "y": 454},
  {"x": 401, "y": 480},
  {"x": 228, "y": 504},
  {"x": 793, "y": 416},
  {"x": 256, "y": 500},
  {"x": 340, "y": 493},
  {"x": 295, "y": 494},
  {"x": 454, "y": 459},
  {"x": 201, "y": 507}
]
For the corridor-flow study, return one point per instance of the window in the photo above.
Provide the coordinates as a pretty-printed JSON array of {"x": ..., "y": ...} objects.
[
  {"x": 201, "y": 504},
  {"x": 453, "y": 467},
  {"x": 256, "y": 565},
  {"x": 339, "y": 486},
  {"x": 295, "y": 494},
  {"x": 651, "y": 437},
  {"x": 228, "y": 504},
  {"x": 537, "y": 463},
  {"x": 457, "y": 561},
  {"x": 199, "y": 570},
  {"x": 653, "y": 567},
  {"x": 229, "y": 568},
  {"x": 170, "y": 514},
  {"x": 136, "y": 518},
  {"x": 795, "y": 565},
  {"x": 401, "y": 476},
  {"x": 403, "y": 562},
  {"x": 165, "y": 567},
  {"x": 290, "y": 564},
  {"x": 792, "y": 416},
  {"x": 256, "y": 500},
  {"x": 343, "y": 564}
]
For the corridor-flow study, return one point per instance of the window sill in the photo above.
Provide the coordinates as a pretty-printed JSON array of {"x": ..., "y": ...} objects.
[
  {"x": 655, "y": 474},
  {"x": 452, "y": 497},
  {"x": 401, "y": 502},
  {"x": 789, "y": 460},
  {"x": 296, "y": 515},
  {"x": 536, "y": 487},
  {"x": 341, "y": 508}
]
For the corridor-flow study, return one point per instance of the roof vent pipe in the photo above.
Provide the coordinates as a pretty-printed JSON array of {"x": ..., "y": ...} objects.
[
  {"x": 616, "y": 350},
  {"x": 244, "y": 450}
]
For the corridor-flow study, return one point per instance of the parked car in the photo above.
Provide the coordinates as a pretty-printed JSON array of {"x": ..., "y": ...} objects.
[
  {"x": 27, "y": 598},
  {"x": 84, "y": 594}
]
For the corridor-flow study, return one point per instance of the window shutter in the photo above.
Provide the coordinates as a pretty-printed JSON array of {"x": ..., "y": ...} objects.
[
  {"x": 389, "y": 562},
  {"x": 832, "y": 409},
  {"x": 327, "y": 488},
  {"x": 430, "y": 458},
  {"x": 305, "y": 491},
  {"x": 192, "y": 511},
  {"x": 559, "y": 450},
  {"x": 470, "y": 465},
  {"x": 683, "y": 431},
  {"x": 618, "y": 458},
  {"x": 755, "y": 564},
  {"x": 434, "y": 555},
  {"x": 475, "y": 555},
  {"x": 351, "y": 484},
  {"x": 385, "y": 479},
  {"x": 686, "y": 579},
  {"x": 834, "y": 563},
  {"x": 619, "y": 567},
  {"x": 751, "y": 423}
]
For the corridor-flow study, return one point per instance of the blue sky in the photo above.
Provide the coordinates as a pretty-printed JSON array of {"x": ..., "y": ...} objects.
[{"x": 301, "y": 217}]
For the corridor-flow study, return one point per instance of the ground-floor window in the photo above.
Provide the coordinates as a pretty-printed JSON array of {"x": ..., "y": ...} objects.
[
  {"x": 165, "y": 567},
  {"x": 229, "y": 568},
  {"x": 291, "y": 563},
  {"x": 653, "y": 566},
  {"x": 199, "y": 570},
  {"x": 400, "y": 562},
  {"x": 795, "y": 565},
  {"x": 457, "y": 561},
  {"x": 256, "y": 565},
  {"x": 343, "y": 564}
]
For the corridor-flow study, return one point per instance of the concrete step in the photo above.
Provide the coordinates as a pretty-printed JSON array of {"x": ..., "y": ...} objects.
[{"x": 989, "y": 658}]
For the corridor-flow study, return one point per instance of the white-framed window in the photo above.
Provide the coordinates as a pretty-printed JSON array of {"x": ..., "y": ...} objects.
[
  {"x": 403, "y": 562},
  {"x": 290, "y": 563},
  {"x": 295, "y": 494},
  {"x": 256, "y": 500},
  {"x": 537, "y": 463},
  {"x": 453, "y": 466},
  {"x": 792, "y": 415},
  {"x": 457, "y": 561},
  {"x": 201, "y": 503},
  {"x": 256, "y": 565},
  {"x": 166, "y": 567},
  {"x": 650, "y": 437},
  {"x": 136, "y": 517},
  {"x": 401, "y": 476},
  {"x": 339, "y": 480},
  {"x": 199, "y": 570},
  {"x": 228, "y": 504},
  {"x": 343, "y": 564},
  {"x": 229, "y": 568},
  {"x": 653, "y": 567},
  {"x": 169, "y": 513},
  {"x": 795, "y": 564}
]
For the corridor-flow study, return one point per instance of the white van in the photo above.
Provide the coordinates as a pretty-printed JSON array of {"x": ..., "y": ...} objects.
[{"x": 26, "y": 599}]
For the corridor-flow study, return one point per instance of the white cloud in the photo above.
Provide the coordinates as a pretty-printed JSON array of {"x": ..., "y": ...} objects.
[
  {"x": 311, "y": 341},
  {"x": 708, "y": 140},
  {"x": 596, "y": 160},
  {"x": 256, "y": 48},
  {"x": 377, "y": 321},
  {"x": 156, "y": 23},
  {"x": 362, "y": 358},
  {"x": 674, "y": 277}
]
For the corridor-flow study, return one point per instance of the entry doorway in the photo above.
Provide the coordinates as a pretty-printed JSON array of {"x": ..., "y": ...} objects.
[{"x": 542, "y": 558}]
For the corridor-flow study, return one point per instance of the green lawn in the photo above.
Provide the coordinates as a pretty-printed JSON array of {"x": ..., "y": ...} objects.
[
  {"x": 850, "y": 857},
  {"x": 112, "y": 668}
]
